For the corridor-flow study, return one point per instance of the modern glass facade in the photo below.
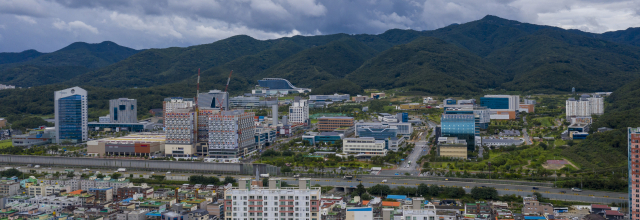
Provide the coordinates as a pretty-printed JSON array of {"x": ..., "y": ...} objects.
[
  {"x": 70, "y": 114},
  {"x": 378, "y": 133},
  {"x": 275, "y": 83},
  {"x": 462, "y": 126},
  {"x": 494, "y": 102}
]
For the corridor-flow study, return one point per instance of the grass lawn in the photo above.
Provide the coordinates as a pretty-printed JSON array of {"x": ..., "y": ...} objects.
[
  {"x": 546, "y": 121},
  {"x": 5, "y": 144},
  {"x": 314, "y": 121}
]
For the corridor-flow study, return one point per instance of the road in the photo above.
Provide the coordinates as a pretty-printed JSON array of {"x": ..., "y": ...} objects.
[{"x": 412, "y": 181}]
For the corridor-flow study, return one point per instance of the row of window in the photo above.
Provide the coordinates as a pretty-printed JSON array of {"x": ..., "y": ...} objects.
[
  {"x": 267, "y": 198},
  {"x": 274, "y": 214}
]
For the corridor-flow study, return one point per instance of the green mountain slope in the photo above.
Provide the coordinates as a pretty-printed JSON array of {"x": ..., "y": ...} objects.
[
  {"x": 315, "y": 66},
  {"x": 19, "y": 57},
  {"x": 552, "y": 60},
  {"x": 629, "y": 36},
  {"x": 429, "y": 65}
]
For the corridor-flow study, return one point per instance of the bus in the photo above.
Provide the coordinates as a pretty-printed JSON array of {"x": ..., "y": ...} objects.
[{"x": 409, "y": 162}]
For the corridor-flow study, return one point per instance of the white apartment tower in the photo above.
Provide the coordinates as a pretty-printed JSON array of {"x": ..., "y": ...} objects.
[
  {"x": 173, "y": 103},
  {"x": 71, "y": 117},
  {"x": 299, "y": 112},
  {"x": 123, "y": 110},
  {"x": 231, "y": 134},
  {"x": 584, "y": 107},
  {"x": 179, "y": 130},
  {"x": 273, "y": 202}
]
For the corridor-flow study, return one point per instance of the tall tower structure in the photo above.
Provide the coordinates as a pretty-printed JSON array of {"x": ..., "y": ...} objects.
[{"x": 71, "y": 116}]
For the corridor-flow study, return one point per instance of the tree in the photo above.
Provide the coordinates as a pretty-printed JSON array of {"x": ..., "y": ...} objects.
[
  {"x": 11, "y": 173},
  {"x": 360, "y": 189},
  {"x": 285, "y": 170},
  {"x": 485, "y": 193},
  {"x": 379, "y": 190},
  {"x": 265, "y": 182},
  {"x": 115, "y": 176},
  {"x": 228, "y": 180},
  {"x": 100, "y": 175}
]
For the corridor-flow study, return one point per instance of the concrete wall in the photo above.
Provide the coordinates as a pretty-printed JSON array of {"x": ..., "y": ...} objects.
[{"x": 142, "y": 164}]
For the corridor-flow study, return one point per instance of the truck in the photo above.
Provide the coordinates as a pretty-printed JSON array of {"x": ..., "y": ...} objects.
[
  {"x": 296, "y": 176},
  {"x": 264, "y": 175},
  {"x": 122, "y": 170},
  {"x": 347, "y": 177}
]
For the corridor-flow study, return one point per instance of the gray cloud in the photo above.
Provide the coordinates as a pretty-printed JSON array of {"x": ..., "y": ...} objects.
[{"x": 48, "y": 25}]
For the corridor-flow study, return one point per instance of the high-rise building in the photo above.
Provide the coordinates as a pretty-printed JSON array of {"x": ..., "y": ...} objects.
[
  {"x": 170, "y": 104},
  {"x": 464, "y": 125},
  {"x": 273, "y": 202},
  {"x": 274, "y": 117},
  {"x": 633, "y": 146},
  {"x": 123, "y": 110},
  {"x": 231, "y": 134},
  {"x": 299, "y": 112},
  {"x": 70, "y": 107},
  {"x": 584, "y": 107},
  {"x": 213, "y": 99},
  {"x": 179, "y": 130}
]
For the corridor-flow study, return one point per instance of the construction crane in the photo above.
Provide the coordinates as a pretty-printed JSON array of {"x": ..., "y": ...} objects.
[{"x": 225, "y": 90}]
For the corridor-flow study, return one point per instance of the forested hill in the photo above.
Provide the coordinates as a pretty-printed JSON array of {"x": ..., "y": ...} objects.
[{"x": 490, "y": 53}]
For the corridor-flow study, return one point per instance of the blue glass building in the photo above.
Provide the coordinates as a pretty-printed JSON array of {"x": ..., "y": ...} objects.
[
  {"x": 70, "y": 107},
  {"x": 462, "y": 125},
  {"x": 495, "y": 102}
]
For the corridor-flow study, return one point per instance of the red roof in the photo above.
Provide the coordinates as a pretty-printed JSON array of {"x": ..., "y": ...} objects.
[
  {"x": 594, "y": 206},
  {"x": 612, "y": 212},
  {"x": 389, "y": 203},
  {"x": 365, "y": 202}
]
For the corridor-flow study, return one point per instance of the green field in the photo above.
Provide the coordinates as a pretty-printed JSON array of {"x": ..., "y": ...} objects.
[
  {"x": 546, "y": 121},
  {"x": 5, "y": 144}
]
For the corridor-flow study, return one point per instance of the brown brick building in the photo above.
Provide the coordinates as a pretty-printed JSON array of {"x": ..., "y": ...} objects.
[{"x": 331, "y": 123}]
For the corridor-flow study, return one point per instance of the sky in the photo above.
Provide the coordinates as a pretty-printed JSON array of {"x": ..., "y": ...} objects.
[{"x": 49, "y": 25}]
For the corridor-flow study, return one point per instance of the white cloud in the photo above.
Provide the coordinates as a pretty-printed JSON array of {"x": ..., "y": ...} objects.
[
  {"x": 160, "y": 26},
  {"x": 26, "y": 19},
  {"x": 24, "y": 7},
  {"x": 74, "y": 26},
  {"x": 308, "y": 7}
]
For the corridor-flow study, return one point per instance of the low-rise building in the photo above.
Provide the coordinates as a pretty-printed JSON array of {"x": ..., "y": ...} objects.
[
  {"x": 102, "y": 194},
  {"x": 331, "y": 123},
  {"x": 533, "y": 207},
  {"x": 9, "y": 188},
  {"x": 129, "y": 191},
  {"x": 452, "y": 147},
  {"x": 141, "y": 144},
  {"x": 496, "y": 142},
  {"x": 323, "y": 137},
  {"x": 364, "y": 147}
]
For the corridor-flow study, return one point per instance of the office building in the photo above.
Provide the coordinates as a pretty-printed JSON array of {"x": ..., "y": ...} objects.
[
  {"x": 134, "y": 127},
  {"x": 214, "y": 99},
  {"x": 273, "y": 202},
  {"x": 379, "y": 132},
  {"x": 323, "y": 137},
  {"x": 264, "y": 137},
  {"x": 334, "y": 98},
  {"x": 71, "y": 116},
  {"x": 633, "y": 146},
  {"x": 252, "y": 102},
  {"x": 277, "y": 86},
  {"x": 501, "y": 106},
  {"x": 231, "y": 134},
  {"x": 453, "y": 103},
  {"x": 452, "y": 147},
  {"x": 364, "y": 147},
  {"x": 332, "y": 123},
  {"x": 461, "y": 124},
  {"x": 123, "y": 110},
  {"x": 299, "y": 112},
  {"x": 404, "y": 129},
  {"x": 170, "y": 104},
  {"x": 180, "y": 134},
  {"x": 9, "y": 188},
  {"x": 35, "y": 137}
]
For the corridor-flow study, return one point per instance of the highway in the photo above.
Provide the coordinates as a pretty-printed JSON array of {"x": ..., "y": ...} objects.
[{"x": 395, "y": 181}]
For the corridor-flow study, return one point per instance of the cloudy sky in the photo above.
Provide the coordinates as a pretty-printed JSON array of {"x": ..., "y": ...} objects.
[{"x": 48, "y": 25}]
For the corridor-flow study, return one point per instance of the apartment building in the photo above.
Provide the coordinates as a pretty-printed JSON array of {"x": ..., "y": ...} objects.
[
  {"x": 332, "y": 123},
  {"x": 180, "y": 132},
  {"x": 129, "y": 191},
  {"x": 231, "y": 134},
  {"x": 585, "y": 106},
  {"x": 173, "y": 103},
  {"x": 273, "y": 202},
  {"x": 364, "y": 147},
  {"x": 633, "y": 146},
  {"x": 9, "y": 188},
  {"x": 94, "y": 182},
  {"x": 533, "y": 207},
  {"x": 299, "y": 112},
  {"x": 102, "y": 194}
]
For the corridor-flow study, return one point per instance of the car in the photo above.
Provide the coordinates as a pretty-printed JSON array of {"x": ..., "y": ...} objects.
[
  {"x": 168, "y": 172},
  {"x": 562, "y": 191},
  {"x": 536, "y": 188},
  {"x": 358, "y": 180},
  {"x": 397, "y": 174},
  {"x": 576, "y": 189}
]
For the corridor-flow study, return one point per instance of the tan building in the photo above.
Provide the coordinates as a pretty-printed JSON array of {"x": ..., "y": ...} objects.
[
  {"x": 529, "y": 108},
  {"x": 411, "y": 106},
  {"x": 452, "y": 147},
  {"x": 141, "y": 144},
  {"x": 332, "y": 123},
  {"x": 3, "y": 122},
  {"x": 533, "y": 207}
]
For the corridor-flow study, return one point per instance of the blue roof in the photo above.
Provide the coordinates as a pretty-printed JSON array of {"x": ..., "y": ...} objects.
[
  {"x": 396, "y": 197},
  {"x": 426, "y": 202},
  {"x": 360, "y": 209},
  {"x": 534, "y": 217}
]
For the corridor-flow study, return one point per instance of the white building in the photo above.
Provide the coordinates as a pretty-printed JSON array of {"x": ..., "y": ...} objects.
[
  {"x": 231, "y": 134},
  {"x": 104, "y": 119},
  {"x": 71, "y": 115},
  {"x": 171, "y": 104},
  {"x": 179, "y": 130},
  {"x": 359, "y": 213},
  {"x": 273, "y": 202},
  {"x": 6, "y": 87},
  {"x": 585, "y": 106},
  {"x": 404, "y": 128},
  {"x": 299, "y": 112},
  {"x": 364, "y": 147},
  {"x": 123, "y": 110}
]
